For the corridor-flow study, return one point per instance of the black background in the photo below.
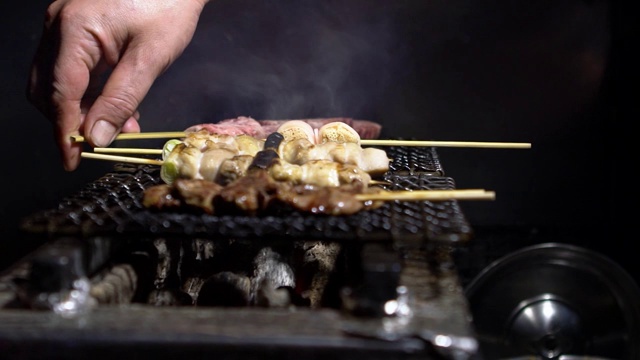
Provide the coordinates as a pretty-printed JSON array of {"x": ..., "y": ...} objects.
[{"x": 560, "y": 75}]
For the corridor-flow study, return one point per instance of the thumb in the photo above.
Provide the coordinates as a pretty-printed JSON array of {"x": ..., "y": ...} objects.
[{"x": 123, "y": 92}]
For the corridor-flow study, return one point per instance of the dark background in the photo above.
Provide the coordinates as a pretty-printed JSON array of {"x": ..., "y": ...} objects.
[{"x": 560, "y": 75}]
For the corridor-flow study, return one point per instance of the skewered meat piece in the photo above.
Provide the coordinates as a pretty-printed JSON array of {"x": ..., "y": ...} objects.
[
  {"x": 236, "y": 126},
  {"x": 200, "y": 155},
  {"x": 233, "y": 169},
  {"x": 194, "y": 193},
  {"x": 257, "y": 193},
  {"x": 333, "y": 200},
  {"x": 297, "y": 129},
  {"x": 319, "y": 173},
  {"x": 261, "y": 128},
  {"x": 365, "y": 129},
  {"x": 314, "y": 172},
  {"x": 300, "y": 151},
  {"x": 335, "y": 131},
  {"x": 160, "y": 197},
  {"x": 243, "y": 143},
  {"x": 334, "y": 141},
  {"x": 250, "y": 194}
]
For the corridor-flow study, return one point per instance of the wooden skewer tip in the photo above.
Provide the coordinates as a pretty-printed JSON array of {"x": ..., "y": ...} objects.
[{"x": 429, "y": 195}]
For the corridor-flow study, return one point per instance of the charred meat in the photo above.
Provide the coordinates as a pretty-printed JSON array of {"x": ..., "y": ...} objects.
[{"x": 257, "y": 193}]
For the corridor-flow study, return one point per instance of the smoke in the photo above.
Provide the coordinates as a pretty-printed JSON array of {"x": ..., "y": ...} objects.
[
  {"x": 427, "y": 69},
  {"x": 281, "y": 59}
]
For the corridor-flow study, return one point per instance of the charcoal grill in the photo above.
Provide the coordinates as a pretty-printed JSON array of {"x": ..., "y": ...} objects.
[{"x": 115, "y": 277}]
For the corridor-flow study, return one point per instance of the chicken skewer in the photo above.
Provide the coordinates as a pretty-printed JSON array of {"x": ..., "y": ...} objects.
[
  {"x": 314, "y": 172},
  {"x": 257, "y": 193},
  {"x": 220, "y": 158},
  {"x": 215, "y": 157},
  {"x": 332, "y": 131},
  {"x": 200, "y": 194},
  {"x": 309, "y": 164}
]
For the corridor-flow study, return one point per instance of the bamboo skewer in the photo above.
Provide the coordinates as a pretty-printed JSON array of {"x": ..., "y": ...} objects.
[
  {"x": 429, "y": 195},
  {"x": 462, "y": 144},
  {"x": 141, "y": 151},
  {"x": 138, "y": 136},
  {"x": 127, "y": 159},
  {"x": 369, "y": 142}
]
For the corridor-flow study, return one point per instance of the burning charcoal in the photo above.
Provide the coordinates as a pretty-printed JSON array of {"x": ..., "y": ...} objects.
[
  {"x": 168, "y": 259},
  {"x": 196, "y": 265},
  {"x": 203, "y": 249},
  {"x": 270, "y": 296},
  {"x": 319, "y": 260},
  {"x": 169, "y": 297},
  {"x": 116, "y": 286},
  {"x": 198, "y": 257},
  {"x": 192, "y": 286},
  {"x": 225, "y": 289},
  {"x": 271, "y": 272}
]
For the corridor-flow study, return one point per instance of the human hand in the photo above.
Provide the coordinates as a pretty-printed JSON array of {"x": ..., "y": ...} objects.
[{"x": 96, "y": 61}]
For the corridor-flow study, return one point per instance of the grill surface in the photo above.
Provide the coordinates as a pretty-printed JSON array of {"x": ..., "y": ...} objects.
[
  {"x": 400, "y": 251},
  {"x": 112, "y": 206}
]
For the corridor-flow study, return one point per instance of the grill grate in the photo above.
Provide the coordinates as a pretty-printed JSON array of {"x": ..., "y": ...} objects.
[{"x": 112, "y": 206}]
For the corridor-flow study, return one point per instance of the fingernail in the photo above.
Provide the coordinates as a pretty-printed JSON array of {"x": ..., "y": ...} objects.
[{"x": 103, "y": 133}]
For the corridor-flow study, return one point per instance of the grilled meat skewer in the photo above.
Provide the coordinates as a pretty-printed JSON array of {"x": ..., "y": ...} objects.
[
  {"x": 224, "y": 158},
  {"x": 257, "y": 193}
]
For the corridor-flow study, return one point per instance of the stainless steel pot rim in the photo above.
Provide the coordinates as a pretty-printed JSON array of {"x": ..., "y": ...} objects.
[{"x": 562, "y": 254}]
